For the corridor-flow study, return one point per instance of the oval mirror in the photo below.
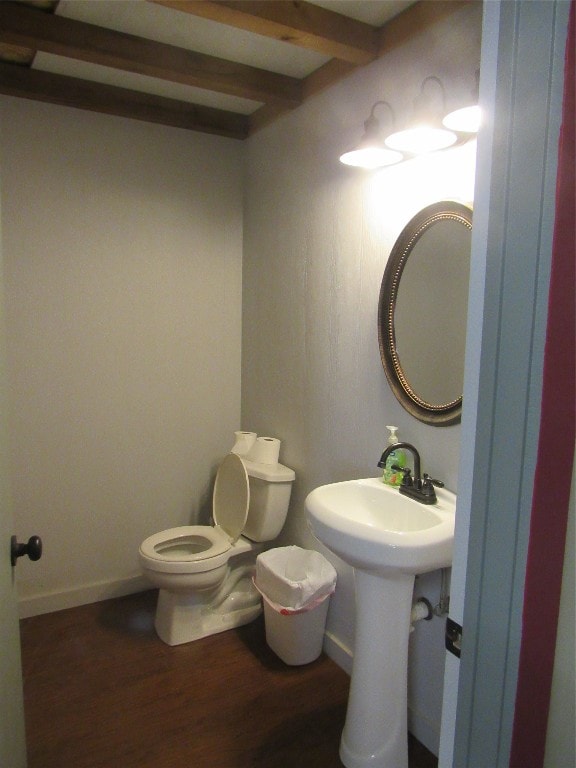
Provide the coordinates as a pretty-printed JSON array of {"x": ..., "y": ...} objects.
[{"x": 422, "y": 312}]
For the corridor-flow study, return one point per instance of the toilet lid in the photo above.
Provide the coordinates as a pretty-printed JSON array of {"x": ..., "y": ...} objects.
[{"x": 231, "y": 497}]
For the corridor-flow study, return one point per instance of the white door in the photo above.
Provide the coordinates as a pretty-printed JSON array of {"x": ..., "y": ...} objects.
[
  {"x": 522, "y": 71},
  {"x": 12, "y": 741}
]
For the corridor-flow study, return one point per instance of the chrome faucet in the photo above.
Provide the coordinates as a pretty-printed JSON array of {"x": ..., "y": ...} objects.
[{"x": 419, "y": 488}]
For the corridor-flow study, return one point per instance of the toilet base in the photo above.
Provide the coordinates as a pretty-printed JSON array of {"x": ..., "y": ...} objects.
[{"x": 184, "y": 617}]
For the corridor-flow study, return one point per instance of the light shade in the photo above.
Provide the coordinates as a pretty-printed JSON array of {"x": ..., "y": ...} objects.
[
  {"x": 464, "y": 120},
  {"x": 427, "y": 133},
  {"x": 467, "y": 118},
  {"x": 371, "y": 157},
  {"x": 420, "y": 139},
  {"x": 371, "y": 152}
]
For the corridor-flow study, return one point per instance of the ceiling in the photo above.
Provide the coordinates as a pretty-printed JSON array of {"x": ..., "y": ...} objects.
[{"x": 222, "y": 67}]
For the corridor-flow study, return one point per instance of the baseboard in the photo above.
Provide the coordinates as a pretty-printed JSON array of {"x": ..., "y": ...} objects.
[
  {"x": 338, "y": 652},
  {"x": 35, "y": 605},
  {"x": 423, "y": 729}
]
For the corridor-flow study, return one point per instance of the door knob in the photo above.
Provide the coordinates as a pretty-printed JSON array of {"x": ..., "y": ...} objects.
[{"x": 33, "y": 549}]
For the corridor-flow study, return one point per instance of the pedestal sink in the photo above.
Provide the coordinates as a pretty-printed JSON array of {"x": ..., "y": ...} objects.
[{"x": 387, "y": 538}]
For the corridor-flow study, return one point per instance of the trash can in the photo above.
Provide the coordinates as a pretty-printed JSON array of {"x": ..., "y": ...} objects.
[{"x": 295, "y": 585}]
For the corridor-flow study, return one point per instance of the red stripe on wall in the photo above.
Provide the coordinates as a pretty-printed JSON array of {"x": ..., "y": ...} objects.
[{"x": 555, "y": 457}]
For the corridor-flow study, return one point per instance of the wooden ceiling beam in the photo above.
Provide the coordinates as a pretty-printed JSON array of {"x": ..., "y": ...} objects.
[
  {"x": 299, "y": 23},
  {"x": 26, "y": 27},
  {"x": 16, "y": 54},
  {"x": 416, "y": 18},
  {"x": 32, "y": 29},
  {"x": 413, "y": 20},
  {"x": 96, "y": 97}
]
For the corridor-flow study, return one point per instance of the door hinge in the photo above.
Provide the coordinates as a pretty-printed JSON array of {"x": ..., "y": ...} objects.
[{"x": 453, "y": 637}]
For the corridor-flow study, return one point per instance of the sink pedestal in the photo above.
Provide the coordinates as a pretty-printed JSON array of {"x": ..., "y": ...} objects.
[{"x": 375, "y": 733}]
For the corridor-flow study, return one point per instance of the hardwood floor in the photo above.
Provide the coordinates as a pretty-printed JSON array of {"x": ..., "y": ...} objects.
[{"x": 102, "y": 691}]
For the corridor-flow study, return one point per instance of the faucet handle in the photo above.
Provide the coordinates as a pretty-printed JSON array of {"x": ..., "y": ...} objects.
[
  {"x": 431, "y": 481},
  {"x": 427, "y": 488},
  {"x": 407, "y": 472}
]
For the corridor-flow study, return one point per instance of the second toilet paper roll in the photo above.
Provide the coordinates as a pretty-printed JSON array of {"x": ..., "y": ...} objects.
[
  {"x": 244, "y": 442},
  {"x": 265, "y": 450}
]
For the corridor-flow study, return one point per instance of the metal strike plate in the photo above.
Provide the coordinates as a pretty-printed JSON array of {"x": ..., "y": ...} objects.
[{"x": 453, "y": 637}]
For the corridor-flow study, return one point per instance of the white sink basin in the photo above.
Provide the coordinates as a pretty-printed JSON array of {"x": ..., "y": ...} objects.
[{"x": 373, "y": 527}]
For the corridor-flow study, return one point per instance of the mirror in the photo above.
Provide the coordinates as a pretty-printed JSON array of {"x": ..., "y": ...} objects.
[{"x": 422, "y": 312}]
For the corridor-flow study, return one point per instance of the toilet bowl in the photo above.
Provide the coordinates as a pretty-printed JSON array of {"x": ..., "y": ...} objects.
[{"x": 204, "y": 573}]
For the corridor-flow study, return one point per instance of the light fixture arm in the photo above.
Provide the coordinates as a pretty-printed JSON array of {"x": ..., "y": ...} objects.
[
  {"x": 434, "y": 79},
  {"x": 427, "y": 133},
  {"x": 371, "y": 152},
  {"x": 372, "y": 124},
  {"x": 466, "y": 118}
]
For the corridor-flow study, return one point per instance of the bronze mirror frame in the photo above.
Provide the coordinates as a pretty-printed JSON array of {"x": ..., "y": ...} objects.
[{"x": 435, "y": 414}]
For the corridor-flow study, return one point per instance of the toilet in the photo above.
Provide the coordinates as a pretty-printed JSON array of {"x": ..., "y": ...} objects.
[{"x": 204, "y": 573}]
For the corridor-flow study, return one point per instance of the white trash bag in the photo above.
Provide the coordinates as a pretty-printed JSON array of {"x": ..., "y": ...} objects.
[{"x": 295, "y": 584}]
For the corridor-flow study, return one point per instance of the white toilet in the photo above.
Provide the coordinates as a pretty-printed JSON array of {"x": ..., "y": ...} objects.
[{"x": 205, "y": 572}]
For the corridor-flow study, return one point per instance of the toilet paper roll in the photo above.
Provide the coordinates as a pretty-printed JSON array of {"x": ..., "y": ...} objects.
[
  {"x": 265, "y": 450},
  {"x": 244, "y": 442}
]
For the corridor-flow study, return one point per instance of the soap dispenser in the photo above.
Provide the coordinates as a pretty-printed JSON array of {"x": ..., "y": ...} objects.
[{"x": 396, "y": 458}]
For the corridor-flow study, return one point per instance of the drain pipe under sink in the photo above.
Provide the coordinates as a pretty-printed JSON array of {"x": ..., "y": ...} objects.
[{"x": 421, "y": 609}]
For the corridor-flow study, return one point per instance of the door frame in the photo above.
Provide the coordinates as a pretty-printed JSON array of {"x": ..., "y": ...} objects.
[{"x": 522, "y": 72}]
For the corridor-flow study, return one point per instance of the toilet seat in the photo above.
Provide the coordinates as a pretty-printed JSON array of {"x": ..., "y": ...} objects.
[
  {"x": 187, "y": 549},
  {"x": 199, "y": 548}
]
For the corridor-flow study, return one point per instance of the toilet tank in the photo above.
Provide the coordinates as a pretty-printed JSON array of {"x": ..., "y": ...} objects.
[{"x": 270, "y": 488}]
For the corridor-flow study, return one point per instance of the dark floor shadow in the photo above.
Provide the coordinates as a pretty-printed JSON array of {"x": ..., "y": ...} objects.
[
  {"x": 313, "y": 740},
  {"x": 132, "y": 615},
  {"x": 253, "y": 637},
  {"x": 310, "y": 739}
]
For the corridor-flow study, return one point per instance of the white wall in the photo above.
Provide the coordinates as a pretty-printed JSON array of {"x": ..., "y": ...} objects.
[
  {"x": 316, "y": 240},
  {"x": 122, "y": 244}
]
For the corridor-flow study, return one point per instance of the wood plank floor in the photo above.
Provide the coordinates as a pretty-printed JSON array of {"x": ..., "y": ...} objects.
[{"x": 102, "y": 691}]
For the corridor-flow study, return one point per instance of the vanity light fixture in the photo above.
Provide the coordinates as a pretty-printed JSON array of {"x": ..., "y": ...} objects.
[
  {"x": 371, "y": 152},
  {"x": 467, "y": 118},
  {"x": 427, "y": 133}
]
